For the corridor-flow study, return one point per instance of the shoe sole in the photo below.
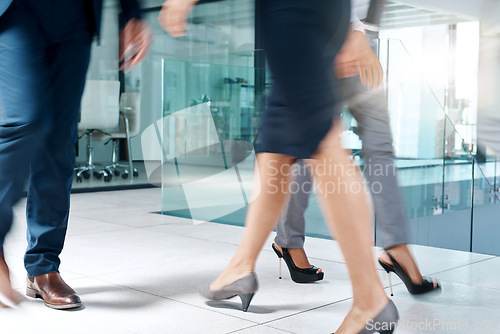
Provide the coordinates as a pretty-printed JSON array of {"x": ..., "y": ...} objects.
[
  {"x": 306, "y": 278},
  {"x": 32, "y": 293}
]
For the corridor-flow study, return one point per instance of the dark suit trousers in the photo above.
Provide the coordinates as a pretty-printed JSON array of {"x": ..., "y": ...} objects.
[{"x": 44, "y": 56}]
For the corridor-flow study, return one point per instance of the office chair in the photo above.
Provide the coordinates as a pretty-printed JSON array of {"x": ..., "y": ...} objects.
[
  {"x": 99, "y": 115},
  {"x": 130, "y": 124}
]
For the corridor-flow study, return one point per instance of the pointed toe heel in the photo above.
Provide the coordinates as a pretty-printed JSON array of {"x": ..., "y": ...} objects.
[{"x": 385, "y": 322}]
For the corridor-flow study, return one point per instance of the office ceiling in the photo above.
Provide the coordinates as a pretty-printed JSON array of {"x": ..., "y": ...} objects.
[
  {"x": 399, "y": 15},
  {"x": 240, "y": 14}
]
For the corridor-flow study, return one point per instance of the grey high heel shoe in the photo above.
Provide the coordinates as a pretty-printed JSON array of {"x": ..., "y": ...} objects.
[
  {"x": 244, "y": 287},
  {"x": 384, "y": 323}
]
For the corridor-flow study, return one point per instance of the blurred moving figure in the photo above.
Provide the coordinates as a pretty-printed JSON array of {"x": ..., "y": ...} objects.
[
  {"x": 44, "y": 56},
  {"x": 301, "y": 40},
  {"x": 488, "y": 117},
  {"x": 369, "y": 108}
]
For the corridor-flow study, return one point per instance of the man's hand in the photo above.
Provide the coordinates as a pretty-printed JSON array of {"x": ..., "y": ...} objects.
[
  {"x": 135, "y": 41},
  {"x": 174, "y": 14},
  {"x": 357, "y": 58}
]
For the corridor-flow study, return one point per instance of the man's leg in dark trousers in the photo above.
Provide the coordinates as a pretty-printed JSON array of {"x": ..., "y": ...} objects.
[
  {"x": 52, "y": 166},
  {"x": 24, "y": 105}
]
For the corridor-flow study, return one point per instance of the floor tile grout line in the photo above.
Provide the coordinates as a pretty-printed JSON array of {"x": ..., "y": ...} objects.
[
  {"x": 326, "y": 239},
  {"x": 279, "y": 329},
  {"x": 242, "y": 329},
  {"x": 228, "y": 243},
  {"x": 305, "y": 311},
  {"x": 471, "y": 285},
  {"x": 237, "y": 245},
  {"x": 324, "y": 305},
  {"x": 126, "y": 228},
  {"x": 312, "y": 258},
  {"x": 464, "y": 265},
  {"x": 174, "y": 300},
  {"x": 125, "y": 225},
  {"x": 111, "y": 272},
  {"x": 259, "y": 325}
]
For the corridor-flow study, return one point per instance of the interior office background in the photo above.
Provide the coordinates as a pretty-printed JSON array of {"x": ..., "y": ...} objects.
[{"x": 429, "y": 51}]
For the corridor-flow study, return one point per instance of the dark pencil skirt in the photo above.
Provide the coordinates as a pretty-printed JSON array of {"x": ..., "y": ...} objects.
[{"x": 301, "y": 39}]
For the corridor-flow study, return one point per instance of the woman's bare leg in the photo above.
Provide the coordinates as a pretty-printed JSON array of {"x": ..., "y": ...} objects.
[
  {"x": 5, "y": 285},
  {"x": 263, "y": 214},
  {"x": 348, "y": 213}
]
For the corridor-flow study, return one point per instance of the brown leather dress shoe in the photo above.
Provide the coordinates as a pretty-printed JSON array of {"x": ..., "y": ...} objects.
[{"x": 53, "y": 290}]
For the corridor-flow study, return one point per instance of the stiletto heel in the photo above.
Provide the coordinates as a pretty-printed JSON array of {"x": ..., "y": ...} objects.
[
  {"x": 390, "y": 283},
  {"x": 388, "y": 269},
  {"x": 427, "y": 284},
  {"x": 244, "y": 287},
  {"x": 245, "y": 301},
  {"x": 280, "y": 267},
  {"x": 280, "y": 256},
  {"x": 298, "y": 275}
]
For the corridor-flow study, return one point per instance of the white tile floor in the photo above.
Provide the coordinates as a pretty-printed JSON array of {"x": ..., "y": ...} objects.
[{"x": 137, "y": 272}]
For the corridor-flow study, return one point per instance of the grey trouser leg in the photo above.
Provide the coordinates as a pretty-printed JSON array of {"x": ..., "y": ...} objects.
[
  {"x": 369, "y": 108},
  {"x": 291, "y": 226}
]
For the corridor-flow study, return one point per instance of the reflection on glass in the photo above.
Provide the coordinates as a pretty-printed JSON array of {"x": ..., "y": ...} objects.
[{"x": 201, "y": 151}]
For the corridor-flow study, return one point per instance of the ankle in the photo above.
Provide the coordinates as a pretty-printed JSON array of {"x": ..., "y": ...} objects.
[
  {"x": 398, "y": 249},
  {"x": 402, "y": 255},
  {"x": 278, "y": 247},
  {"x": 374, "y": 302},
  {"x": 240, "y": 266}
]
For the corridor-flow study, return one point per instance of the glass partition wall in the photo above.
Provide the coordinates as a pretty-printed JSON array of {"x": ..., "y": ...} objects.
[
  {"x": 204, "y": 152},
  {"x": 446, "y": 181},
  {"x": 216, "y": 28}
]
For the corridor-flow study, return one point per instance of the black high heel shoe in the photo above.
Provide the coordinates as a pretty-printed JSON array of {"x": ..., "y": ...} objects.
[
  {"x": 298, "y": 275},
  {"x": 428, "y": 284}
]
